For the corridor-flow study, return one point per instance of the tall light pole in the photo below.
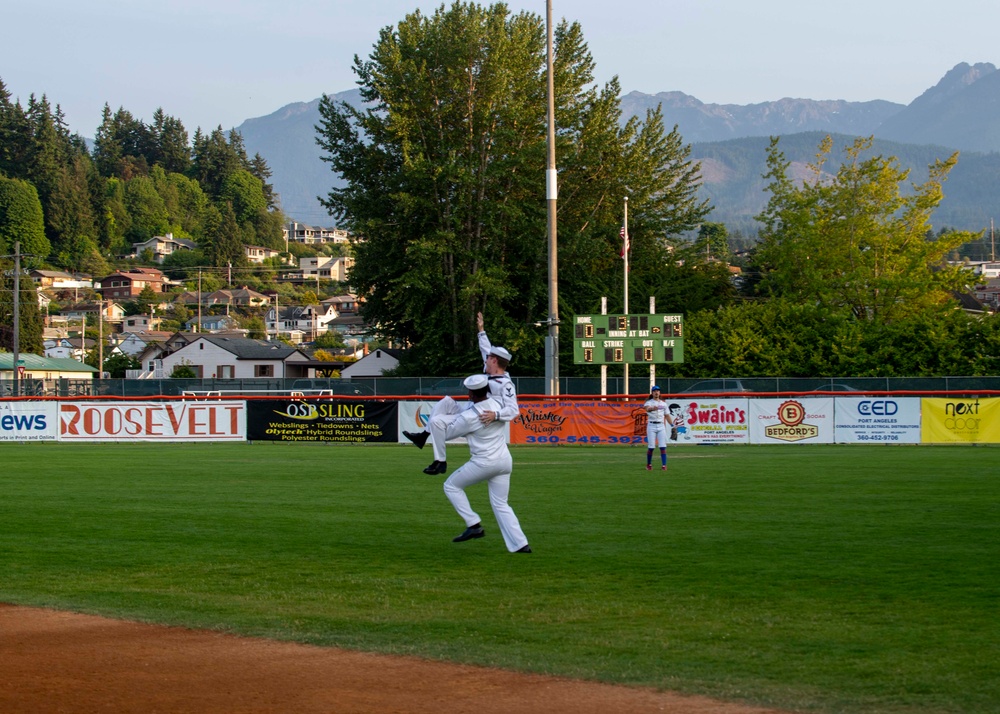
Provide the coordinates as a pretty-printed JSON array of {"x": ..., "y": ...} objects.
[{"x": 551, "y": 195}]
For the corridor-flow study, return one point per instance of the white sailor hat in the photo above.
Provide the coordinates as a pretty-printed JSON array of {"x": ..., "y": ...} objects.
[
  {"x": 501, "y": 353},
  {"x": 476, "y": 381}
]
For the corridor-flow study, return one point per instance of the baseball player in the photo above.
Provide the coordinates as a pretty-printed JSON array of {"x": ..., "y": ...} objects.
[
  {"x": 656, "y": 428},
  {"x": 489, "y": 461},
  {"x": 495, "y": 361}
]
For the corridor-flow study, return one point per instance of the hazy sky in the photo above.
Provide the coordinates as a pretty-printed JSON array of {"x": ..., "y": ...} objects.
[{"x": 219, "y": 62}]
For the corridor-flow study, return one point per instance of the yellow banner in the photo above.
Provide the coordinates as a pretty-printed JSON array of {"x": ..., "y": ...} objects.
[{"x": 959, "y": 420}]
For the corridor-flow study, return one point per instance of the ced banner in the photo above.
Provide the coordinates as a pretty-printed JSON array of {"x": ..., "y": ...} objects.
[
  {"x": 960, "y": 420},
  {"x": 321, "y": 420},
  {"x": 152, "y": 421},
  {"x": 792, "y": 421},
  {"x": 28, "y": 421},
  {"x": 877, "y": 420}
]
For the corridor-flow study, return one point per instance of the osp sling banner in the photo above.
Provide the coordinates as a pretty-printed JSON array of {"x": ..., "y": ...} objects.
[
  {"x": 152, "y": 421},
  {"x": 335, "y": 420}
]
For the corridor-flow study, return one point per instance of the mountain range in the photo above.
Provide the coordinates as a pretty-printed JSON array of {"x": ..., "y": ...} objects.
[{"x": 960, "y": 113}]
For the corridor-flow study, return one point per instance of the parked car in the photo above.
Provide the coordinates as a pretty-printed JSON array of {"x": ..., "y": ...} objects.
[
  {"x": 836, "y": 388},
  {"x": 715, "y": 386},
  {"x": 323, "y": 387},
  {"x": 449, "y": 386}
]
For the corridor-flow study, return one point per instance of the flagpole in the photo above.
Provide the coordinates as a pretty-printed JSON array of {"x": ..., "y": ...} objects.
[{"x": 625, "y": 247}]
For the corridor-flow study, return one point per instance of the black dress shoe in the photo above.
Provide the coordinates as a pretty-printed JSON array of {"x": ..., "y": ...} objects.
[
  {"x": 469, "y": 533},
  {"x": 438, "y": 467},
  {"x": 525, "y": 549},
  {"x": 419, "y": 438}
]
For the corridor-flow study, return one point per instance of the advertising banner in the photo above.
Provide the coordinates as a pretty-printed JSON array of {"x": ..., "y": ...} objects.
[
  {"x": 704, "y": 420},
  {"x": 414, "y": 416},
  {"x": 152, "y": 421},
  {"x": 28, "y": 421},
  {"x": 596, "y": 422},
  {"x": 792, "y": 421},
  {"x": 321, "y": 420},
  {"x": 877, "y": 420},
  {"x": 960, "y": 420}
]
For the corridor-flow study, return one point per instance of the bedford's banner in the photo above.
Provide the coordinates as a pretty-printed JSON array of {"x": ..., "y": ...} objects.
[
  {"x": 597, "y": 422},
  {"x": 152, "y": 421},
  {"x": 792, "y": 421},
  {"x": 414, "y": 416},
  {"x": 321, "y": 420},
  {"x": 703, "y": 420},
  {"x": 960, "y": 420},
  {"x": 877, "y": 420},
  {"x": 28, "y": 421}
]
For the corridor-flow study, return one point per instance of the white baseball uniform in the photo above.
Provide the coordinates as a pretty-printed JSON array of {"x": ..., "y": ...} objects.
[
  {"x": 656, "y": 422},
  {"x": 489, "y": 461}
]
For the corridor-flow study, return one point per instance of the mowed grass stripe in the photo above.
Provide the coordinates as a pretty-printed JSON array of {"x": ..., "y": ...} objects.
[{"x": 824, "y": 578}]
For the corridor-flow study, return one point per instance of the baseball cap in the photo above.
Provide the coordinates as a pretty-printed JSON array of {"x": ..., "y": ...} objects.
[
  {"x": 655, "y": 388},
  {"x": 476, "y": 381},
  {"x": 500, "y": 352}
]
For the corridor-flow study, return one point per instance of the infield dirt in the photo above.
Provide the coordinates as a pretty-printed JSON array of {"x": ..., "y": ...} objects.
[{"x": 52, "y": 661}]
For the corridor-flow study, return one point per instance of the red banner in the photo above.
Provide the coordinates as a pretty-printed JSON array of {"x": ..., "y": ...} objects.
[{"x": 592, "y": 422}]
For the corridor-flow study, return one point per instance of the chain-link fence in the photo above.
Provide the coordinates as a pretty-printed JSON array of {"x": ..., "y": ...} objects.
[{"x": 434, "y": 387}]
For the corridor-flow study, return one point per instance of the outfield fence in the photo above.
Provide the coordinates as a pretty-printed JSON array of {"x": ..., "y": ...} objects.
[
  {"x": 440, "y": 386},
  {"x": 758, "y": 418}
]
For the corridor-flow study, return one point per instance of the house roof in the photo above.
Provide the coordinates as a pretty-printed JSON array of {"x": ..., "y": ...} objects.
[
  {"x": 33, "y": 361},
  {"x": 245, "y": 348}
]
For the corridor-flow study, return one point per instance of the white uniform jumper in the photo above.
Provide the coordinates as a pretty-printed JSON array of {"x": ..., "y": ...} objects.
[
  {"x": 443, "y": 413},
  {"x": 490, "y": 461}
]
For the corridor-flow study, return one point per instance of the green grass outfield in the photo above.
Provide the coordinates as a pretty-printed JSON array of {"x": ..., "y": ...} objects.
[{"x": 818, "y": 578}]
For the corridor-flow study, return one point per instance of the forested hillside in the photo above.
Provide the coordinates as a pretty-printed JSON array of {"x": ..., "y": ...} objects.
[{"x": 140, "y": 180}]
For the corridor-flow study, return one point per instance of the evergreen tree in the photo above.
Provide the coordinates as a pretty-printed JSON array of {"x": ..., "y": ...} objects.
[
  {"x": 21, "y": 219},
  {"x": 171, "y": 149},
  {"x": 29, "y": 317},
  {"x": 227, "y": 244}
]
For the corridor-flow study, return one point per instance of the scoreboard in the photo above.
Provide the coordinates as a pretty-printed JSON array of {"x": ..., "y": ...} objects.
[{"x": 628, "y": 339}]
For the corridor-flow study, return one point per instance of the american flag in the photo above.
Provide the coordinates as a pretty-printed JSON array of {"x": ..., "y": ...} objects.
[{"x": 623, "y": 234}]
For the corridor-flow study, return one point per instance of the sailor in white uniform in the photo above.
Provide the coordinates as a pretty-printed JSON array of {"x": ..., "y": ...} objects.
[
  {"x": 495, "y": 362},
  {"x": 489, "y": 461}
]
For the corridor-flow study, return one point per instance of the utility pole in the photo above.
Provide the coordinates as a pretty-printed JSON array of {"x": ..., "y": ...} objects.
[
  {"x": 100, "y": 337},
  {"x": 17, "y": 319},
  {"x": 197, "y": 327},
  {"x": 625, "y": 248}
]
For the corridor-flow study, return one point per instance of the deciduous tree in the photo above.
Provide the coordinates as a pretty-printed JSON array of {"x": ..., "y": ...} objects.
[
  {"x": 856, "y": 239},
  {"x": 445, "y": 173}
]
